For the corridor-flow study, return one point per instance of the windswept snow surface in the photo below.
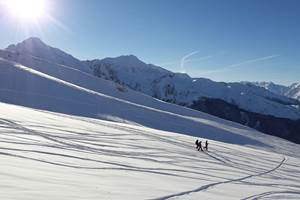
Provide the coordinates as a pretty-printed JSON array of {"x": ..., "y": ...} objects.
[{"x": 47, "y": 155}]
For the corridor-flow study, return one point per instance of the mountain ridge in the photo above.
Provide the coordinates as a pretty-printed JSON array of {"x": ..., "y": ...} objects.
[
  {"x": 291, "y": 91},
  {"x": 154, "y": 81}
]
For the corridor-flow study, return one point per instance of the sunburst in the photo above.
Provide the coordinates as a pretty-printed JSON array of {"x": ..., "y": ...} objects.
[{"x": 27, "y": 10}]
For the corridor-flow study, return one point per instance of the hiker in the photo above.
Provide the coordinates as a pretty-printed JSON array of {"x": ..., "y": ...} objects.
[
  {"x": 197, "y": 144},
  {"x": 200, "y": 146},
  {"x": 206, "y": 145}
]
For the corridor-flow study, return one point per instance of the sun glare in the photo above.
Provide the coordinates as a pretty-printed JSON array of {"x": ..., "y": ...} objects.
[{"x": 27, "y": 10}]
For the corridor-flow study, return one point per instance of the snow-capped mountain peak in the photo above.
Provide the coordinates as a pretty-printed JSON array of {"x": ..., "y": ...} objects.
[
  {"x": 272, "y": 87},
  {"x": 30, "y": 44},
  {"x": 292, "y": 91},
  {"x": 36, "y": 48},
  {"x": 131, "y": 62},
  {"x": 127, "y": 60},
  {"x": 294, "y": 85},
  {"x": 33, "y": 45}
]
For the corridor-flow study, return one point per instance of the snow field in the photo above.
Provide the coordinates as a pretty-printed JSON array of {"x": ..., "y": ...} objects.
[{"x": 47, "y": 155}]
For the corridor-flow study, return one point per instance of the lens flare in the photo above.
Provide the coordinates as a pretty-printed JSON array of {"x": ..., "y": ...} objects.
[{"x": 27, "y": 10}]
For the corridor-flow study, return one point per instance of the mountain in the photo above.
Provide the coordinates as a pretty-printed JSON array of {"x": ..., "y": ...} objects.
[
  {"x": 272, "y": 87},
  {"x": 34, "y": 47},
  {"x": 292, "y": 91},
  {"x": 181, "y": 89},
  {"x": 245, "y": 103},
  {"x": 131, "y": 80},
  {"x": 90, "y": 96},
  {"x": 136, "y": 73}
]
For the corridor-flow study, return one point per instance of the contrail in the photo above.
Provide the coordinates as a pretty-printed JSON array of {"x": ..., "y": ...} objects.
[
  {"x": 183, "y": 59},
  {"x": 252, "y": 61},
  {"x": 238, "y": 65}
]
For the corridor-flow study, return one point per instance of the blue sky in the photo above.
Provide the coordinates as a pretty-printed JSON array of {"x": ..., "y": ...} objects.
[{"x": 230, "y": 40}]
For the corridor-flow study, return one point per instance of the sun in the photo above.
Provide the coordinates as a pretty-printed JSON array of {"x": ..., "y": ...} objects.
[{"x": 27, "y": 10}]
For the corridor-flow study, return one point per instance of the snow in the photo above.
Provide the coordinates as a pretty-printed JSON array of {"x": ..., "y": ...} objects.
[
  {"x": 291, "y": 91},
  {"x": 131, "y": 70},
  {"x": 182, "y": 89},
  {"x": 81, "y": 137},
  {"x": 35, "y": 47},
  {"x": 272, "y": 87},
  {"x": 41, "y": 91},
  {"x": 147, "y": 78},
  {"x": 294, "y": 91},
  {"x": 48, "y": 155}
]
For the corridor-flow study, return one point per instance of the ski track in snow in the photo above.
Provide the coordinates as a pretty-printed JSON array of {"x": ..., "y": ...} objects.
[
  {"x": 205, "y": 187},
  {"x": 151, "y": 162}
]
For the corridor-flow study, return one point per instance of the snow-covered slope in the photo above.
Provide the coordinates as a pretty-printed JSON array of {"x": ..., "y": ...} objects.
[
  {"x": 184, "y": 90},
  {"x": 53, "y": 156},
  {"x": 25, "y": 86},
  {"x": 292, "y": 91},
  {"x": 272, "y": 87}
]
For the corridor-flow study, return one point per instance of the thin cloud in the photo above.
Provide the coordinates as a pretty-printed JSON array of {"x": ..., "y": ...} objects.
[{"x": 240, "y": 64}]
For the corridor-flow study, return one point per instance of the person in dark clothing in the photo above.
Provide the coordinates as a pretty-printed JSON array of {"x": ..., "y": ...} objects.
[
  {"x": 206, "y": 145},
  {"x": 200, "y": 146},
  {"x": 197, "y": 144}
]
